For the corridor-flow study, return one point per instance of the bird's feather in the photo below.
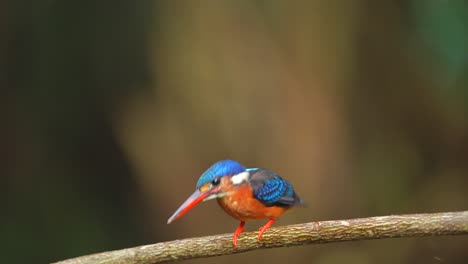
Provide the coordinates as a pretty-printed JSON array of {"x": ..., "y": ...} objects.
[
  {"x": 272, "y": 190},
  {"x": 219, "y": 169}
]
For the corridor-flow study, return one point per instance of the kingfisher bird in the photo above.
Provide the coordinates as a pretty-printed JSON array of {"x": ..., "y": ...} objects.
[{"x": 244, "y": 193}]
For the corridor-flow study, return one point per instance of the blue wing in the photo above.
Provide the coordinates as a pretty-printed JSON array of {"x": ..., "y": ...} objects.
[{"x": 272, "y": 190}]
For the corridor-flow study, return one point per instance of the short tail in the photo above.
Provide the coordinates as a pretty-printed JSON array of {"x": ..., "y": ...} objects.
[{"x": 298, "y": 201}]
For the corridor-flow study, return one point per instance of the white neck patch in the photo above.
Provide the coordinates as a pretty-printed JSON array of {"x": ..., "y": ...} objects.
[{"x": 240, "y": 178}]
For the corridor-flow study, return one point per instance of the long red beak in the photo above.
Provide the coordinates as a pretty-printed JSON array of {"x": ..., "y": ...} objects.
[{"x": 194, "y": 199}]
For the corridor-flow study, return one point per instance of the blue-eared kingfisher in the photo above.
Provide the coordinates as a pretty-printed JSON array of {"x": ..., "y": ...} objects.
[{"x": 244, "y": 193}]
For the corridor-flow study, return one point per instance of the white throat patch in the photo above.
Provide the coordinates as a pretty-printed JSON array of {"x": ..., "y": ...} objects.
[{"x": 240, "y": 178}]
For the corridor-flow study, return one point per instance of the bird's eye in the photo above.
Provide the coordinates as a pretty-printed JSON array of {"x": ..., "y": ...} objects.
[{"x": 216, "y": 181}]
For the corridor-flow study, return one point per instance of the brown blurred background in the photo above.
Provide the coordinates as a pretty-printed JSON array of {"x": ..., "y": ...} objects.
[{"x": 110, "y": 111}]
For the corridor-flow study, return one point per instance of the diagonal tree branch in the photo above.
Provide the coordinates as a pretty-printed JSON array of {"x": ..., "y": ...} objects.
[{"x": 452, "y": 223}]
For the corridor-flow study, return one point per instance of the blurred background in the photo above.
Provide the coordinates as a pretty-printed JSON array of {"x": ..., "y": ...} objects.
[{"x": 111, "y": 110}]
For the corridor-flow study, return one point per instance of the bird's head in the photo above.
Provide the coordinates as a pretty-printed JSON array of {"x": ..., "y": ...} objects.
[{"x": 212, "y": 184}]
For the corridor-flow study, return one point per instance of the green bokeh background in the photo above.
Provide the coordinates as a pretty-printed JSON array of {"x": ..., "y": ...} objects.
[{"x": 110, "y": 110}]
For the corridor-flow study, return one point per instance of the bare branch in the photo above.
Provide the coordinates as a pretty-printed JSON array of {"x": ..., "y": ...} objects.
[{"x": 453, "y": 223}]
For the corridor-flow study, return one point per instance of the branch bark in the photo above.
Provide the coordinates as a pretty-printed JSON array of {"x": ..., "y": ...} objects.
[{"x": 452, "y": 223}]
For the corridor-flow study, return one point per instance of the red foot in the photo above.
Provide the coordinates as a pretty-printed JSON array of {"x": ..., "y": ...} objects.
[
  {"x": 264, "y": 228},
  {"x": 239, "y": 230}
]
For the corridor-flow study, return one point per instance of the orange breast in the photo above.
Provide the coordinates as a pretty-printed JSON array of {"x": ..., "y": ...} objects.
[{"x": 242, "y": 205}]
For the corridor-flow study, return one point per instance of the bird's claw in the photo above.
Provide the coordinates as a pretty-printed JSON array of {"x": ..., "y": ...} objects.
[
  {"x": 239, "y": 230},
  {"x": 264, "y": 228}
]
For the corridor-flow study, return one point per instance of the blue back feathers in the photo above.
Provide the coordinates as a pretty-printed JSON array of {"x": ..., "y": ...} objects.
[
  {"x": 220, "y": 168},
  {"x": 272, "y": 190}
]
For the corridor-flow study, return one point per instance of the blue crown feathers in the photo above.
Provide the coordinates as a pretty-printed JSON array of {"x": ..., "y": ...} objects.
[{"x": 220, "y": 168}]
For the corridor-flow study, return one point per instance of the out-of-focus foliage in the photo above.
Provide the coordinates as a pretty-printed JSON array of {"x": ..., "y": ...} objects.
[{"x": 110, "y": 111}]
